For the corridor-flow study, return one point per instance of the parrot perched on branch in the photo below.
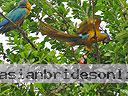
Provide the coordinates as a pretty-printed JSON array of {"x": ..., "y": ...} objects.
[
  {"x": 85, "y": 35},
  {"x": 17, "y": 15},
  {"x": 86, "y": 27}
]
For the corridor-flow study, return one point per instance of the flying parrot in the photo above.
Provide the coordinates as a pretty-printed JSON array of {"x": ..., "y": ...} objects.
[
  {"x": 84, "y": 36},
  {"x": 17, "y": 15},
  {"x": 86, "y": 28}
]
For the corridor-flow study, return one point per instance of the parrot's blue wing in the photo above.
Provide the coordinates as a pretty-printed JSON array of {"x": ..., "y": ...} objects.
[
  {"x": 4, "y": 22},
  {"x": 15, "y": 15},
  {"x": 84, "y": 37}
]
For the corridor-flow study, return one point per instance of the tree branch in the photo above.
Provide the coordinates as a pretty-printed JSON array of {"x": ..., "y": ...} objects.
[
  {"x": 95, "y": 36},
  {"x": 20, "y": 30},
  {"x": 57, "y": 90}
]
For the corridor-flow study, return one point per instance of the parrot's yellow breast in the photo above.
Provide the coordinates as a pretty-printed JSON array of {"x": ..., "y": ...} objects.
[{"x": 28, "y": 8}]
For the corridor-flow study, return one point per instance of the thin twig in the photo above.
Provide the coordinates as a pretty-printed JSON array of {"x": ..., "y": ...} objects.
[
  {"x": 20, "y": 30},
  {"x": 88, "y": 9},
  {"x": 60, "y": 15},
  {"x": 50, "y": 5},
  {"x": 95, "y": 36},
  {"x": 57, "y": 90},
  {"x": 124, "y": 10},
  {"x": 73, "y": 53}
]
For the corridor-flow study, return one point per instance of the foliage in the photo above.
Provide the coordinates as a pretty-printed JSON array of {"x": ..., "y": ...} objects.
[{"x": 114, "y": 13}]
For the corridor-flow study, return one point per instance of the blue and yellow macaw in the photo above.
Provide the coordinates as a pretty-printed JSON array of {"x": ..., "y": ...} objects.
[
  {"x": 85, "y": 35},
  {"x": 17, "y": 15}
]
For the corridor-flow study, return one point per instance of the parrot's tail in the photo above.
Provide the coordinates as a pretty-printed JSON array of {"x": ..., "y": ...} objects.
[
  {"x": 46, "y": 29},
  {"x": 3, "y": 23},
  {"x": 5, "y": 29}
]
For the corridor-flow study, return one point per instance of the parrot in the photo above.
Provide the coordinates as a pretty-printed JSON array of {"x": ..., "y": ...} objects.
[
  {"x": 83, "y": 59},
  {"x": 17, "y": 15},
  {"x": 84, "y": 36},
  {"x": 86, "y": 28}
]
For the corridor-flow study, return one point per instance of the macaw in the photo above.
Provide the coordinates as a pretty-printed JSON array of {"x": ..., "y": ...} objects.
[
  {"x": 17, "y": 15},
  {"x": 83, "y": 59},
  {"x": 85, "y": 37},
  {"x": 86, "y": 28}
]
